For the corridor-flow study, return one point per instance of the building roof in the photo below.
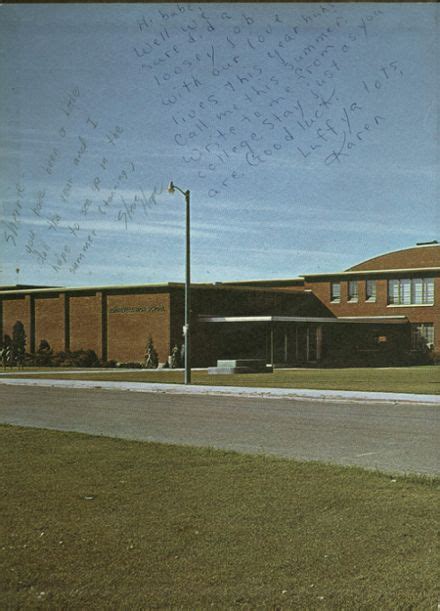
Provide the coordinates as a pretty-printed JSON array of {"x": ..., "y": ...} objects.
[
  {"x": 423, "y": 258},
  {"x": 424, "y": 255},
  {"x": 274, "y": 282},
  {"x": 18, "y": 287},
  {"x": 136, "y": 287},
  {"x": 65, "y": 289}
]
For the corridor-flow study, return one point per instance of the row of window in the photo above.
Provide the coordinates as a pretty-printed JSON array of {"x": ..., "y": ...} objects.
[
  {"x": 416, "y": 290},
  {"x": 353, "y": 291},
  {"x": 404, "y": 291}
]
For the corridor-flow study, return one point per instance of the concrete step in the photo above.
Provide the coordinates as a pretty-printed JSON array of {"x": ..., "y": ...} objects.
[
  {"x": 252, "y": 363},
  {"x": 223, "y": 370}
]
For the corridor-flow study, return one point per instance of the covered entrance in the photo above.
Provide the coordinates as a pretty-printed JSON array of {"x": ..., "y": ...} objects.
[
  {"x": 281, "y": 341},
  {"x": 294, "y": 341}
]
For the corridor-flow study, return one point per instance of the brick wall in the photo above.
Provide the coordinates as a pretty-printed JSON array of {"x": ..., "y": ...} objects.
[
  {"x": 410, "y": 258},
  {"x": 49, "y": 321},
  {"x": 86, "y": 322},
  {"x": 128, "y": 329},
  {"x": 414, "y": 313},
  {"x": 322, "y": 288},
  {"x": 115, "y": 326}
]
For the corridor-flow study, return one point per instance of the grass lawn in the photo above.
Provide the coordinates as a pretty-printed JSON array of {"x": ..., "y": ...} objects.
[
  {"x": 98, "y": 523},
  {"x": 422, "y": 380}
]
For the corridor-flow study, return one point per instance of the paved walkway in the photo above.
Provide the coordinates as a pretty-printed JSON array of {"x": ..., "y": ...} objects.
[{"x": 237, "y": 391}]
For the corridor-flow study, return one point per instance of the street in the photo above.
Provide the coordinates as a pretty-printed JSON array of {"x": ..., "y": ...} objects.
[{"x": 391, "y": 438}]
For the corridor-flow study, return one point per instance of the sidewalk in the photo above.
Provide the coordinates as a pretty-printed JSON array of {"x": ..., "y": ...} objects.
[{"x": 233, "y": 391}]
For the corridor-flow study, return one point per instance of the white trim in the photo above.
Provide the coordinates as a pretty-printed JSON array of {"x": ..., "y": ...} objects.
[
  {"x": 371, "y": 317},
  {"x": 207, "y": 318},
  {"x": 343, "y": 319},
  {"x": 65, "y": 289},
  {"x": 410, "y": 305},
  {"x": 235, "y": 282},
  {"x": 373, "y": 271}
]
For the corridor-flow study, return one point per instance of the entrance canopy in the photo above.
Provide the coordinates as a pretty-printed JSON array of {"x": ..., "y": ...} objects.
[
  {"x": 301, "y": 339},
  {"x": 306, "y": 319}
]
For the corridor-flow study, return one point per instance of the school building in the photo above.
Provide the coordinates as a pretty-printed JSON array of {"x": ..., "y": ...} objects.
[{"x": 382, "y": 311}]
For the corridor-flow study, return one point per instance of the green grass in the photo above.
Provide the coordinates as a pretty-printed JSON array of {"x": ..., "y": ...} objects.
[
  {"x": 97, "y": 523},
  {"x": 422, "y": 380}
]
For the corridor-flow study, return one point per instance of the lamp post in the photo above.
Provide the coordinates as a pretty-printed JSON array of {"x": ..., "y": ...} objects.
[{"x": 186, "y": 329}]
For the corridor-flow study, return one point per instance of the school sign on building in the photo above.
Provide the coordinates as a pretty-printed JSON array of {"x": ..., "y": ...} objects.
[{"x": 380, "y": 312}]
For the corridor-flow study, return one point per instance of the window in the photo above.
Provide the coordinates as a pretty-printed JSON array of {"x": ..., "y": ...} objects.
[
  {"x": 422, "y": 335},
  {"x": 370, "y": 290},
  {"x": 415, "y": 291},
  {"x": 423, "y": 290},
  {"x": 335, "y": 291},
  {"x": 353, "y": 293}
]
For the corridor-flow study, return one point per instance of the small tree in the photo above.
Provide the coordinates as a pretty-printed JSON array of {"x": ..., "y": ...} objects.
[
  {"x": 18, "y": 342},
  {"x": 175, "y": 357},
  {"x": 6, "y": 352},
  {"x": 151, "y": 357}
]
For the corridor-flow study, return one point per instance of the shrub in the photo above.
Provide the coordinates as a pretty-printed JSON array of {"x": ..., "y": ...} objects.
[
  {"x": 130, "y": 365},
  {"x": 85, "y": 358},
  {"x": 45, "y": 357},
  {"x": 108, "y": 364},
  {"x": 44, "y": 354}
]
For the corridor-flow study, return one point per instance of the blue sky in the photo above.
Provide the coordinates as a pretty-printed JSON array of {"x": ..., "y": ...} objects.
[{"x": 307, "y": 134}]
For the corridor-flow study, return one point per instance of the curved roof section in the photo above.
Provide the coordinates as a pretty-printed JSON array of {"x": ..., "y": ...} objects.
[{"x": 409, "y": 258}]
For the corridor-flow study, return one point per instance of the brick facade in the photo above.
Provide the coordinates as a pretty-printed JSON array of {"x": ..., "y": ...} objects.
[
  {"x": 50, "y": 320},
  {"x": 116, "y": 322},
  {"x": 424, "y": 260},
  {"x": 131, "y": 319},
  {"x": 85, "y": 323}
]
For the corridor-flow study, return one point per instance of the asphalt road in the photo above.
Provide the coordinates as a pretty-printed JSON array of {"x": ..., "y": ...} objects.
[{"x": 392, "y": 438}]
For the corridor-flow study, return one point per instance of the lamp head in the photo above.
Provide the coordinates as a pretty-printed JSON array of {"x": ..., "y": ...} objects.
[{"x": 171, "y": 187}]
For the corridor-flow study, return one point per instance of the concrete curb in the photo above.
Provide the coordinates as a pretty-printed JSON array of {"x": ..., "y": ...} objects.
[{"x": 232, "y": 391}]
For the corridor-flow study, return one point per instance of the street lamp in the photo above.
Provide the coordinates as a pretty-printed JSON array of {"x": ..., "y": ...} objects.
[{"x": 186, "y": 329}]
